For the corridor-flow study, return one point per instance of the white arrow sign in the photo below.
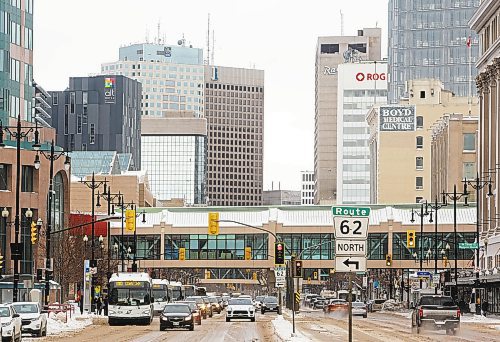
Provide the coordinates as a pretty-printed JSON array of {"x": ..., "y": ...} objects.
[
  {"x": 350, "y": 247},
  {"x": 350, "y": 227},
  {"x": 350, "y": 264}
]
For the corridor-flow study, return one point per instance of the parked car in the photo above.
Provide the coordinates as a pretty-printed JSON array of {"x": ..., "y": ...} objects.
[
  {"x": 194, "y": 310},
  {"x": 11, "y": 323},
  {"x": 240, "y": 308},
  {"x": 378, "y": 304},
  {"x": 359, "y": 309},
  {"x": 270, "y": 303},
  {"x": 436, "y": 312},
  {"x": 33, "y": 318},
  {"x": 176, "y": 315}
]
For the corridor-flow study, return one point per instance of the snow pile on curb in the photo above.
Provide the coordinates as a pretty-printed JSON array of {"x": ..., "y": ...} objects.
[
  {"x": 56, "y": 324},
  {"x": 283, "y": 329},
  {"x": 480, "y": 319}
]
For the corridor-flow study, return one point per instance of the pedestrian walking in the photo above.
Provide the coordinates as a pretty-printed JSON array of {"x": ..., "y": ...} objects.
[
  {"x": 105, "y": 302},
  {"x": 99, "y": 306},
  {"x": 485, "y": 307}
]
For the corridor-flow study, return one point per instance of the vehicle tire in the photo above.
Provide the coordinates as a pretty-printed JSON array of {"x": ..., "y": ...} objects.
[
  {"x": 252, "y": 319},
  {"x": 365, "y": 316},
  {"x": 262, "y": 311},
  {"x": 45, "y": 330},
  {"x": 199, "y": 322},
  {"x": 228, "y": 319},
  {"x": 191, "y": 327},
  {"x": 418, "y": 329},
  {"x": 40, "y": 333}
]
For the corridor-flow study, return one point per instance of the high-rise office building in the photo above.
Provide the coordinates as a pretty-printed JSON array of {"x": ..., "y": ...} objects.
[
  {"x": 171, "y": 76},
  {"x": 330, "y": 52},
  {"x": 307, "y": 187},
  {"x": 430, "y": 39},
  {"x": 360, "y": 86},
  {"x": 234, "y": 108},
  {"x": 99, "y": 113}
]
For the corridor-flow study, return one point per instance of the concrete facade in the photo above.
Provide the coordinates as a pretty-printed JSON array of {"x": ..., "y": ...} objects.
[
  {"x": 451, "y": 160},
  {"x": 400, "y": 159},
  {"x": 234, "y": 108},
  {"x": 330, "y": 52},
  {"x": 99, "y": 113},
  {"x": 281, "y": 197}
]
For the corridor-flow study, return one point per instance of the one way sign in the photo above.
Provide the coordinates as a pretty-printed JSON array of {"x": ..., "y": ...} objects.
[{"x": 350, "y": 264}]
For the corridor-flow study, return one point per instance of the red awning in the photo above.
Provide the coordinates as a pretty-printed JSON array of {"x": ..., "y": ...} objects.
[{"x": 100, "y": 228}]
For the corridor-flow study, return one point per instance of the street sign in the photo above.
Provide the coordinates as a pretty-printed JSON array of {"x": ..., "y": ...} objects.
[
  {"x": 93, "y": 270},
  {"x": 280, "y": 285},
  {"x": 280, "y": 274},
  {"x": 467, "y": 245},
  {"x": 350, "y": 247},
  {"x": 423, "y": 274},
  {"x": 351, "y": 211},
  {"x": 350, "y": 264},
  {"x": 350, "y": 227}
]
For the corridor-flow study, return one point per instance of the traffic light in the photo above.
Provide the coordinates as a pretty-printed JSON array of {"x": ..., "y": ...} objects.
[
  {"x": 279, "y": 253},
  {"x": 207, "y": 274},
  {"x": 130, "y": 220},
  {"x": 445, "y": 261},
  {"x": 182, "y": 253},
  {"x": 388, "y": 260},
  {"x": 248, "y": 253},
  {"x": 34, "y": 233},
  {"x": 297, "y": 268},
  {"x": 39, "y": 274},
  {"x": 213, "y": 223},
  {"x": 315, "y": 275},
  {"x": 410, "y": 238},
  {"x": 254, "y": 276}
]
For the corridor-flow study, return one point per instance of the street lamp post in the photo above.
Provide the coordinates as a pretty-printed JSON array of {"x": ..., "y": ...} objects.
[
  {"x": 455, "y": 197},
  {"x": 52, "y": 156},
  {"x": 478, "y": 185},
  {"x": 18, "y": 132},
  {"x": 421, "y": 239},
  {"x": 93, "y": 185},
  {"x": 436, "y": 207}
]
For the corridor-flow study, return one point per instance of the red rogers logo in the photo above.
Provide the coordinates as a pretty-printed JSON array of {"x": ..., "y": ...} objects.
[{"x": 360, "y": 77}]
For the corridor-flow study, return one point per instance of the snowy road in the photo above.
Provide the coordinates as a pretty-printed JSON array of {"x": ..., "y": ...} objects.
[
  {"x": 384, "y": 327},
  {"x": 212, "y": 329}
]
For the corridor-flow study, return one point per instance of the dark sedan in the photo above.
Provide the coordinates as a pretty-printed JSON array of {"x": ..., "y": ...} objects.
[{"x": 176, "y": 316}]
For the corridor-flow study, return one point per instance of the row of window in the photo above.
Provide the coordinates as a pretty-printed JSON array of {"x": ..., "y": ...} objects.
[
  {"x": 28, "y": 176},
  {"x": 234, "y": 87}
]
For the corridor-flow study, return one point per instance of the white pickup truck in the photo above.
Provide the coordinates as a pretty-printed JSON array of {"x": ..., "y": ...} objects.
[{"x": 436, "y": 312}]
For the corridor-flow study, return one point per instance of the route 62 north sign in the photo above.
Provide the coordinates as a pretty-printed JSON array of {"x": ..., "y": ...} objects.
[{"x": 350, "y": 227}]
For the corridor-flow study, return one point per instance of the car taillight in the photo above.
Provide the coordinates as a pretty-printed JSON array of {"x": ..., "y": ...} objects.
[
  {"x": 458, "y": 312},
  {"x": 420, "y": 313}
]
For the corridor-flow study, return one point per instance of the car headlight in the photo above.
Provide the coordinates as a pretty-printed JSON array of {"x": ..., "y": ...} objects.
[
  {"x": 188, "y": 318},
  {"x": 146, "y": 312},
  {"x": 163, "y": 318},
  {"x": 111, "y": 312}
]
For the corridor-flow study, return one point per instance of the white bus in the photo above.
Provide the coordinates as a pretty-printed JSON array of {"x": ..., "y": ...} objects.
[
  {"x": 160, "y": 295},
  {"x": 175, "y": 291},
  {"x": 130, "y": 297}
]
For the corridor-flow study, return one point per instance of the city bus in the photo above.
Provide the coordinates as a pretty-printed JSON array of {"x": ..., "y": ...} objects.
[
  {"x": 175, "y": 291},
  {"x": 130, "y": 298},
  {"x": 160, "y": 295},
  {"x": 189, "y": 290}
]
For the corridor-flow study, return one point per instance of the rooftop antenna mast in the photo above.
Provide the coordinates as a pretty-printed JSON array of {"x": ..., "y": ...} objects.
[
  {"x": 213, "y": 47},
  {"x": 158, "y": 39},
  {"x": 208, "y": 40},
  {"x": 341, "y": 23}
]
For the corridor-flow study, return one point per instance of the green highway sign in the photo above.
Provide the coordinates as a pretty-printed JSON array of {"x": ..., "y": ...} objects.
[
  {"x": 351, "y": 211},
  {"x": 467, "y": 245}
]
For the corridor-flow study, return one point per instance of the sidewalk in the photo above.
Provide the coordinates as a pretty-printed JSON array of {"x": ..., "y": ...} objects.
[{"x": 283, "y": 328}]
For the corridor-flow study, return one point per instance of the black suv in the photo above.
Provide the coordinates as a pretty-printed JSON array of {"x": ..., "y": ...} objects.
[{"x": 270, "y": 304}]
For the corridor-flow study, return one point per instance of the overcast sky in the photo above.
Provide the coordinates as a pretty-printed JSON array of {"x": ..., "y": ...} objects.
[{"x": 73, "y": 38}]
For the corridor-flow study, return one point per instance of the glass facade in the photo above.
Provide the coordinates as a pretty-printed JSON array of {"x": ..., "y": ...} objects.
[
  {"x": 216, "y": 247},
  {"x": 428, "y": 39},
  {"x": 296, "y": 243},
  {"x": 148, "y": 247},
  {"x": 176, "y": 166},
  {"x": 401, "y": 252}
]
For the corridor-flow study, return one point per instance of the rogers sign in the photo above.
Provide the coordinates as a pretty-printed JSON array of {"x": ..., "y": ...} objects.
[{"x": 361, "y": 76}]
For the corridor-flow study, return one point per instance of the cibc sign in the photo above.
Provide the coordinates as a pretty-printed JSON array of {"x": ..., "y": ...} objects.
[
  {"x": 397, "y": 118},
  {"x": 370, "y": 76}
]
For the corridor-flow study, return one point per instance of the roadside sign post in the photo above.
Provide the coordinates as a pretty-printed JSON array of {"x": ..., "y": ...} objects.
[{"x": 351, "y": 232}]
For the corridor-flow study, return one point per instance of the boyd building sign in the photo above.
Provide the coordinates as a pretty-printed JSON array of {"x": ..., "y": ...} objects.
[{"x": 397, "y": 118}]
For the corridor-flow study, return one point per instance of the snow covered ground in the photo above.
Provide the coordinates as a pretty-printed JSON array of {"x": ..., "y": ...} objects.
[
  {"x": 56, "y": 324},
  {"x": 283, "y": 329}
]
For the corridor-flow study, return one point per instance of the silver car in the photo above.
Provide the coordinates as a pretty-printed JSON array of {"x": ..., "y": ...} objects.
[{"x": 359, "y": 309}]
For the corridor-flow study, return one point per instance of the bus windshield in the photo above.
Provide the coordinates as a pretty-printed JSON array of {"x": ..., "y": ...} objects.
[
  {"x": 160, "y": 295},
  {"x": 189, "y": 290},
  {"x": 130, "y": 293}
]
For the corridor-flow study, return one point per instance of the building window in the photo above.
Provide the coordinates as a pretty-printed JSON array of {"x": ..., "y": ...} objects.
[
  {"x": 4, "y": 177},
  {"x": 27, "y": 178},
  {"x": 470, "y": 171},
  {"x": 325, "y": 48},
  {"x": 92, "y": 134},
  {"x": 72, "y": 97},
  {"x": 79, "y": 124},
  {"x": 420, "y": 122},
  {"x": 422, "y": 94},
  {"x": 418, "y": 199},
  {"x": 420, "y": 142},
  {"x": 419, "y": 183},
  {"x": 469, "y": 141},
  {"x": 419, "y": 163},
  {"x": 55, "y": 99}
]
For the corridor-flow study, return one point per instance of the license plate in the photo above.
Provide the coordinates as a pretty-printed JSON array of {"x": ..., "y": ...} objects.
[
  {"x": 440, "y": 323},
  {"x": 175, "y": 323}
]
